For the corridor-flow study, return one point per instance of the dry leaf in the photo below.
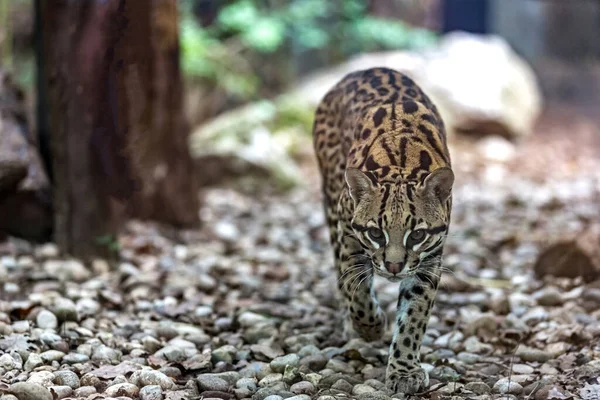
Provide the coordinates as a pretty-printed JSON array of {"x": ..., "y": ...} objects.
[{"x": 112, "y": 371}]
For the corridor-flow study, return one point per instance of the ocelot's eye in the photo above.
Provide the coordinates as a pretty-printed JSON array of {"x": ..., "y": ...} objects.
[
  {"x": 417, "y": 236},
  {"x": 375, "y": 234}
]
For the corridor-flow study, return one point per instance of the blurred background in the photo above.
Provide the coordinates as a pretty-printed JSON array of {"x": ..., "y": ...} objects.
[
  {"x": 236, "y": 83},
  {"x": 162, "y": 150}
]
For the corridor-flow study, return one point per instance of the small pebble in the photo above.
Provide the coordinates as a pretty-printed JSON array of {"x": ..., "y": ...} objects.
[
  {"x": 302, "y": 387},
  {"x": 151, "y": 392},
  {"x": 504, "y": 386},
  {"x": 478, "y": 387},
  {"x": 46, "y": 320},
  {"x": 30, "y": 391},
  {"x": 361, "y": 389},
  {"x": 150, "y": 377},
  {"x": 84, "y": 391},
  {"x": 278, "y": 364},
  {"x": 273, "y": 397},
  {"x": 67, "y": 378},
  {"x": 210, "y": 382},
  {"x": 60, "y": 392},
  {"x": 531, "y": 354},
  {"x": 122, "y": 389}
]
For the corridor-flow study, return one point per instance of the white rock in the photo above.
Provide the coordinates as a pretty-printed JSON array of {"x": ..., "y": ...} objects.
[
  {"x": 123, "y": 389},
  {"x": 60, "y": 392},
  {"x": 151, "y": 392},
  {"x": 150, "y": 377},
  {"x": 66, "y": 270},
  {"x": 496, "y": 148},
  {"x": 43, "y": 378},
  {"x": 33, "y": 361},
  {"x": 8, "y": 363},
  {"x": 477, "y": 81},
  {"x": 46, "y": 320},
  {"x": 504, "y": 386}
]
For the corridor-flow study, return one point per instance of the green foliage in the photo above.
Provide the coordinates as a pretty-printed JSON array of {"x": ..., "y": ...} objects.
[
  {"x": 229, "y": 52},
  {"x": 204, "y": 56},
  {"x": 110, "y": 241},
  {"x": 291, "y": 114}
]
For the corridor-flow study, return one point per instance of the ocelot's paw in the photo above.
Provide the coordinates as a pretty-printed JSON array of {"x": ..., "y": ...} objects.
[
  {"x": 407, "y": 382},
  {"x": 371, "y": 331}
]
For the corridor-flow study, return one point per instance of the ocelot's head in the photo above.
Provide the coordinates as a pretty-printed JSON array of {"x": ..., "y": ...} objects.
[{"x": 401, "y": 225}]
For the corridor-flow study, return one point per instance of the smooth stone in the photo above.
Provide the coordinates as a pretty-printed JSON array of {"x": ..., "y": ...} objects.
[
  {"x": 67, "y": 270},
  {"x": 224, "y": 353},
  {"x": 211, "y": 383},
  {"x": 50, "y": 338},
  {"x": 478, "y": 387},
  {"x": 444, "y": 373},
  {"x": 151, "y": 344},
  {"x": 362, "y": 389},
  {"x": 8, "y": 363},
  {"x": 43, "y": 378},
  {"x": 503, "y": 386},
  {"x": 531, "y": 354},
  {"x": 302, "y": 387},
  {"x": 246, "y": 383},
  {"x": 123, "y": 389},
  {"x": 279, "y": 363},
  {"x": 231, "y": 377},
  {"x": 60, "y": 392},
  {"x": 378, "y": 395},
  {"x": 75, "y": 358},
  {"x": 308, "y": 350},
  {"x": 248, "y": 319},
  {"x": 300, "y": 397},
  {"x": 46, "y": 320},
  {"x": 339, "y": 366},
  {"x": 342, "y": 385},
  {"x": 315, "y": 362},
  {"x": 151, "y": 392},
  {"x": 66, "y": 378},
  {"x": 468, "y": 358},
  {"x": 85, "y": 391},
  {"x": 30, "y": 391},
  {"x": 522, "y": 369},
  {"x": 52, "y": 355},
  {"x": 270, "y": 380},
  {"x": 150, "y": 377},
  {"x": 65, "y": 310},
  {"x": 273, "y": 397},
  {"x": 33, "y": 361},
  {"x": 105, "y": 354}
]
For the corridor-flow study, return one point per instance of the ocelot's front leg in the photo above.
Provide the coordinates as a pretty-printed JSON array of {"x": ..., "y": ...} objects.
[
  {"x": 355, "y": 281},
  {"x": 415, "y": 300}
]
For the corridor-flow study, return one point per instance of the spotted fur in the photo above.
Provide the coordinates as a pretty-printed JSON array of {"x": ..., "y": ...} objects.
[{"x": 387, "y": 181}]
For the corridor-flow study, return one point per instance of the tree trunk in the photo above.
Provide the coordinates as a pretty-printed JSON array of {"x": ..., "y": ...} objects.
[
  {"x": 117, "y": 134},
  {"x": 152, "y": 114}
]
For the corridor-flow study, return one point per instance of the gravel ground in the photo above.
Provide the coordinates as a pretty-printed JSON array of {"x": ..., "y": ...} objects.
[{"x": 246, "y": 307}]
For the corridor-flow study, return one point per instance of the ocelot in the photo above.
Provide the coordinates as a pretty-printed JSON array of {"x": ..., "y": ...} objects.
[{"x": 387, "y": 184}]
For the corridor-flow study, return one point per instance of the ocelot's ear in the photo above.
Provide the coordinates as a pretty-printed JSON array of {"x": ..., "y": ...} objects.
[
  {"x": 359, "y": 184},
  {"x": 438, "y": 184}
]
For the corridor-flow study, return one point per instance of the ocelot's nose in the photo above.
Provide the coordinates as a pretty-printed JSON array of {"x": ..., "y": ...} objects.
[{"x": 394, "y": 268}]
